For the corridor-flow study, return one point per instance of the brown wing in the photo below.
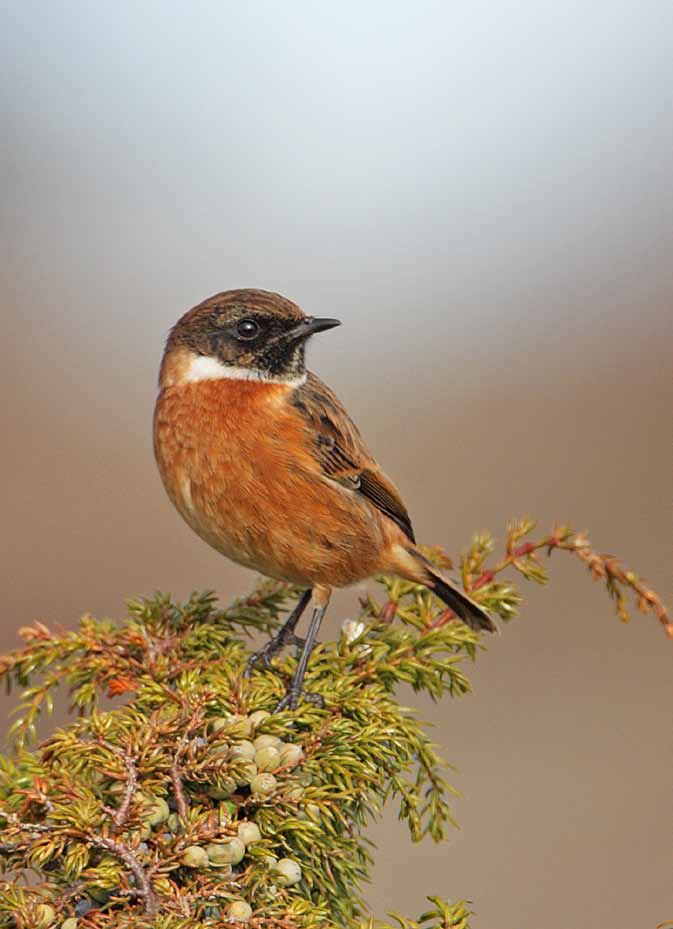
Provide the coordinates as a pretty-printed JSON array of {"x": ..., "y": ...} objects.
[{"x": 341, "y": 453}]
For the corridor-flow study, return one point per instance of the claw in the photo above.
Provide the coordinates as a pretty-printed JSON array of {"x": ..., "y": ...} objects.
[
  {"x": 296, "y": 640},
  {"x": 289, "y": 702},
  {"x": 285, "y": 636},
  {"x": 271, "y": 649},
  {"x": 292, "y": 697},
  {"x": 316, "y": 699},
  {"x": 263, "y": 657}
]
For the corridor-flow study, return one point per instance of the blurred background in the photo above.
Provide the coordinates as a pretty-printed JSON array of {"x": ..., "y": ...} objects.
[{"x": 482, "y": 193}]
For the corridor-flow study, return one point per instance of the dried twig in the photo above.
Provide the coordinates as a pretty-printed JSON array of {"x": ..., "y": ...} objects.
[
  {"x": 615, "y": 574},
  {"x": 523, "y": 558},
  {"x": 118, "y": 849},
  {"x": 195, "y": 722},
  {"x": 176, "y": 781},
  {"x": 121, "y": 851},
  {"x": 120, "y": 815}
]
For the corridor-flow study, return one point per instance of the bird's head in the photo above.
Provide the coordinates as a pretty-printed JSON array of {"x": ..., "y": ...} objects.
[{"x": 241, "y": 334}]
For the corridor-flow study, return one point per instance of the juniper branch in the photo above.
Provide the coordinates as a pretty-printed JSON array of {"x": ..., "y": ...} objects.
[
  {"x": 125, "y": 854},
  {"x": 176, "y": 780},
  {"x": 120, "y": 815},
  {"x": 187, "y": 730}
]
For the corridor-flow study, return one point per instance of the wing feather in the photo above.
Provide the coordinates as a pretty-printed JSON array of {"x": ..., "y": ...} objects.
[{"x": 340, "y": 452}]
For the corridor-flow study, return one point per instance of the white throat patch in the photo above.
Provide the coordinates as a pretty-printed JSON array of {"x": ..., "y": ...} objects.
[{"x": 207, "y": 368}]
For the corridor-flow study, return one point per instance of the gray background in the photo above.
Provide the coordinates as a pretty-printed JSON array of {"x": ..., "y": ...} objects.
[{"x": 482, "y": 192}]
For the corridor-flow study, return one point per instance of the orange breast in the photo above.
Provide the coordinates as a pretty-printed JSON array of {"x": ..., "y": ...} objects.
[{"x": 237, "y": 463}]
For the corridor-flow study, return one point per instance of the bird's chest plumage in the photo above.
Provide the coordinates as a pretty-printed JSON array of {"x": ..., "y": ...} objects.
[
  {"x": 222, "y": 447},
  {"x": 240, "y": 465}
]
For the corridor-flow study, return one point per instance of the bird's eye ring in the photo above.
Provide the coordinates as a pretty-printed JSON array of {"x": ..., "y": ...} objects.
[{"x": 247, "y": 329}]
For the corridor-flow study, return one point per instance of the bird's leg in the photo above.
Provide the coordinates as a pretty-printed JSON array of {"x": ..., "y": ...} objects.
[
  {"x": 294, "y": 691},
  {"x": 284, "y": 636}
]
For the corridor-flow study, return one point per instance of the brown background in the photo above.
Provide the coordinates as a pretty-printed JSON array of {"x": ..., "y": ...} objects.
[{"x": 484, "y": 199}]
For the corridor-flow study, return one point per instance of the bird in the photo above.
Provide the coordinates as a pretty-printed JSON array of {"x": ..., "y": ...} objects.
[{"x": 262, "y": 461}]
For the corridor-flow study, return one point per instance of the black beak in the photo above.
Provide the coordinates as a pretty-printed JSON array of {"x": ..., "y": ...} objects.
[{"x": 310, "y": 326}]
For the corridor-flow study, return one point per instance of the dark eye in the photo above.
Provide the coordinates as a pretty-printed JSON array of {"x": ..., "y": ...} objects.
[{"x": 247, "y": 329}]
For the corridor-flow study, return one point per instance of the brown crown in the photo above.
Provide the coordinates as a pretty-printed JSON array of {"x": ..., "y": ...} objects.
[{"x": 231, "y": 305}]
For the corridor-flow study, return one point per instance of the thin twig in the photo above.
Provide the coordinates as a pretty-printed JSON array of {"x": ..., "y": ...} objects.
[
  {"x": 116, "y": 848},
  {"x": 28, "y": 827},
  {"x": 125, "y": 854},
  {"x": 176, "y": 770},
  {"x": 606, "y": 567},
  {"x": 120, "y": 815},
  {"x": 176, "y": 781},
  {"x": 614, "y": 573}
]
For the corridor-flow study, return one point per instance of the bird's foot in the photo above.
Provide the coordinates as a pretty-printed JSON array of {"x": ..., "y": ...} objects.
[
  {"x": 270, "y": 650},
  {"x": 294, "y": 694}
]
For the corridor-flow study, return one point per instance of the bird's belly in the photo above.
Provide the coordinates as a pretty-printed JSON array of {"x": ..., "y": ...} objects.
[
  {"x": 298, "y": 534},
  {"x": 245, "y": 494}
]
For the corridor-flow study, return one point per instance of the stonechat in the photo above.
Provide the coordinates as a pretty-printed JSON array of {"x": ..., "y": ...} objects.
[{"x": 261, "y": 459}]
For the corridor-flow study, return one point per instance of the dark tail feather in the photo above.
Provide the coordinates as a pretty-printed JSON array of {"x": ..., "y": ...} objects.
[{"x": 457, "y": 600}]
